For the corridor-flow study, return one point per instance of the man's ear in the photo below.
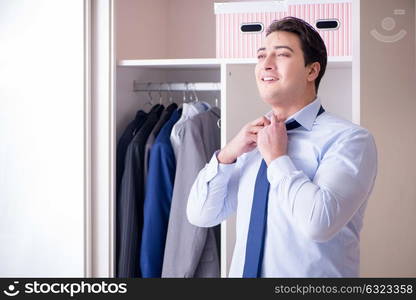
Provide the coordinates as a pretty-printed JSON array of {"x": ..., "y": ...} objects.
[{"x": 313, "y": 70}]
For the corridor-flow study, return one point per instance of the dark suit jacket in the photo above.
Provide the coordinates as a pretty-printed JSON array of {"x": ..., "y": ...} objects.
[
  {"x": 164, "y": 117},
  {"x": 122, "y": 145},
  {"x": 130, "y": 214},
  {"x": 124, "y": 142}
]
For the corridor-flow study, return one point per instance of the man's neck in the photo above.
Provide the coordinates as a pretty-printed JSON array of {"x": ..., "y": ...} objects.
[{"x": 284, "y": 111}]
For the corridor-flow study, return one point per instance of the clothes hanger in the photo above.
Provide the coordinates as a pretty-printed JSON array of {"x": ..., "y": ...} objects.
[
  {"x": 204, "y": 104},
  {"x": 170, "y": 93},
  {"x": 160, "y": 95},
  {"x": 150, "y": 100},
  {"x": 216, "y": 101},
  {"x": 187, "y": 90},
  {"x": 219, "y": 120},
  {"x": 184, "y": 97},
  {"x": 194, "y": 91}
]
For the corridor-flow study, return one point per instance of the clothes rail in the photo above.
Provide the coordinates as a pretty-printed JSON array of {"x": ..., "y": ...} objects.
[{"x": 139, "y": 86}]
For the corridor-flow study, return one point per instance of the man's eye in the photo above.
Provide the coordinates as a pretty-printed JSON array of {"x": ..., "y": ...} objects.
[
  {"x": 260, "y": 56},
  {"x": 283, "y": 54}
]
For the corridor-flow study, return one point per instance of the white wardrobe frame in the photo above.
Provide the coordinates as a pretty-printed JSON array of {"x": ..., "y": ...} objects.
[{"x": 100, "y": 215}]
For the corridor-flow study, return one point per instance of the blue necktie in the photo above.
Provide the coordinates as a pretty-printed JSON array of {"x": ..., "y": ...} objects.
[{"x": 258, "y": 218}]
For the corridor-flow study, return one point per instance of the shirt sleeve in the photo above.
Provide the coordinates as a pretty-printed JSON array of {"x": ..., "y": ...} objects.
[
  {"x": 342, "y": 183},
  {"x": 213, "y": 195}
]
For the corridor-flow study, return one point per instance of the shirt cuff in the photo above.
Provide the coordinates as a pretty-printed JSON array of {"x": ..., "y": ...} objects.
[
  {"x": 279, "y": 168},
  {"x": 214, "y": 167}
]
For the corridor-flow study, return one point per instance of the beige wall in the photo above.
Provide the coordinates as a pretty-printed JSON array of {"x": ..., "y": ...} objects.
[
  {"x": 191, "y": 29},
  {"x": 165, "y": 29},
  {"x": 140, "y": 29},
  {"x": 388, "y": 110}
]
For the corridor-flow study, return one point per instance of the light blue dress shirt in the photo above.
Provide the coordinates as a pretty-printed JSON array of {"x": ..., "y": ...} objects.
[{"x": 317, "y": 198}]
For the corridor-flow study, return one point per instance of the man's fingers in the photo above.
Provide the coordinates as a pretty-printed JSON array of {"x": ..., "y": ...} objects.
[
  {"x": 260, "y": 121},
  {"x": 255, "y": 129},
  {"x": 273, "y": 119},
  {"x": 266, "y": 121},
  {"x": 253, "y": 137}
]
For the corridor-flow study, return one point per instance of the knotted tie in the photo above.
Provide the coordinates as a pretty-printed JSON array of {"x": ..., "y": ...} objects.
[{"x": 258, "y": 217}]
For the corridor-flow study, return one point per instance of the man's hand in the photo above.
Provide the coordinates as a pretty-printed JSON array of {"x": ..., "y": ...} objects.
[
  {"x": 272, "y": 140},
  {"x": 244, "y": 141}
]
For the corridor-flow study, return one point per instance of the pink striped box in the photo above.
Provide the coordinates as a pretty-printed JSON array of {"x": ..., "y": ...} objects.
[{"x": 232, "y": 42}]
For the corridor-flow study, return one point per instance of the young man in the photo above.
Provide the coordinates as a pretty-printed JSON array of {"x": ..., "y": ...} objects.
[{"x": 298, "y": 178}]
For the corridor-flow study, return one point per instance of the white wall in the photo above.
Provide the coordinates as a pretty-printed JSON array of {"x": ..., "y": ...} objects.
[{"x": 42, "y": 138}]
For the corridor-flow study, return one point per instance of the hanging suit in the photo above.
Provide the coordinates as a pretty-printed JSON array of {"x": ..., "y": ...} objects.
[
  {"x": 159, "y": 189},
  {"x": 122, "y": 145},
  {"x": 124, "y": 142},
  {"x": 132, "y": 198},
  {"x": 192, "y": 251},
  {"x": 164, "y": 117}
]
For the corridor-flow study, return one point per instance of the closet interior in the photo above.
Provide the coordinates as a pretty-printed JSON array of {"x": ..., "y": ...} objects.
[{"x": 236, "y": 95}]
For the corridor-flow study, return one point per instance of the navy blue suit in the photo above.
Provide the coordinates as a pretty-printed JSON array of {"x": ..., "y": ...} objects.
[{"x": 159, "y": 188}]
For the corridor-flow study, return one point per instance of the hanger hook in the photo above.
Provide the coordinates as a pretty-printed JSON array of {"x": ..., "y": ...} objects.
[
  {"x": 170, "y": 93},
  {"x": 160, "y": 94},
  {"x": 187, "y": 90},
  {"x": 194, "y": 91},
  {"x": 149, "y": 93},
  {"x": 184, "y": 95}
]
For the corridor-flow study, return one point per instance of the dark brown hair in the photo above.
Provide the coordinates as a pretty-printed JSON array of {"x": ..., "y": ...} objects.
[{"x": 313, "y": 46}]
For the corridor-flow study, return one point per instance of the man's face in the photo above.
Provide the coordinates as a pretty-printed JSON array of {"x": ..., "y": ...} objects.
[{"x": 281, "y": 74}]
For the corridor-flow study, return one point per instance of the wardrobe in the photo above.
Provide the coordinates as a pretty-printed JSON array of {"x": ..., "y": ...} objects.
[
  {"x": 236, "y": 93},
  {"x": 124, "y": 47},
  {"x": 183, "y": 47}
]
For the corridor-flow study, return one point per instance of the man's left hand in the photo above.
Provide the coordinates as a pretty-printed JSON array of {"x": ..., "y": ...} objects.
[{"x": 272, "y": 140}]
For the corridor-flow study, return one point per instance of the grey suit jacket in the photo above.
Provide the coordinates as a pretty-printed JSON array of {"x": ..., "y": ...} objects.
[{"x": 192, "y": 251}]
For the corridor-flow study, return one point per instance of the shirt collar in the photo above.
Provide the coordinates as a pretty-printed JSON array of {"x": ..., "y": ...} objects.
[{"x": 306, "y": 116}]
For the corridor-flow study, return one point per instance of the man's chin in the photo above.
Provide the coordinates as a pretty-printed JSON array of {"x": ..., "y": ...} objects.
[{"x": 271, "y": 100}]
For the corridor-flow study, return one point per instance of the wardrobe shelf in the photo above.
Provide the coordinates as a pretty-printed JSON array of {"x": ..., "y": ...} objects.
[
  {"x": 213, "y": 63},
  {"x": 204, "y": 63}
]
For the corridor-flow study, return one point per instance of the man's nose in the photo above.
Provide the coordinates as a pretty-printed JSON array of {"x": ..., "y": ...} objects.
[{"x": 269, "y": 63}]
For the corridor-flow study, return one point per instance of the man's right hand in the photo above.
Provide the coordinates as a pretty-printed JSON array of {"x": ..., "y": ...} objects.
[{"x": 244, "y": 141}]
